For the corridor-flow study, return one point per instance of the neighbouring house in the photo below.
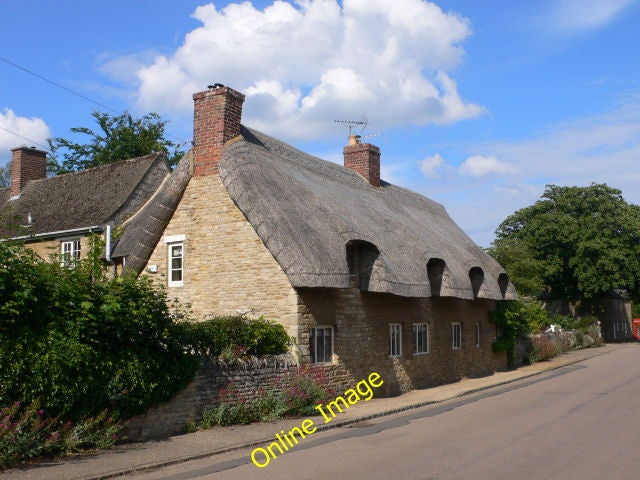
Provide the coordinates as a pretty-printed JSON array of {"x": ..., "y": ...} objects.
[
  {"x": 367, "y": 276},
  {"x": 56, "y": 215}
]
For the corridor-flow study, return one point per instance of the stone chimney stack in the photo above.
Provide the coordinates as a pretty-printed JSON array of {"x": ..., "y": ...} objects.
[
  {"x": 364, "y": 158},
  {"x": 216, "y": 119},
  {"x": 27, "y": 163}
]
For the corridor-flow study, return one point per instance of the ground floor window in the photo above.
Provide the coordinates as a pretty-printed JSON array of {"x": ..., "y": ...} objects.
[
  {"x": 395, "y": 339},
  {"x": 321, "y": 344},
  {"x": 70, "y": 252},
  {"x": 478, "y": 334},
  {"x": 456, "y": 333},
  {"x": 420, "y": 338}
]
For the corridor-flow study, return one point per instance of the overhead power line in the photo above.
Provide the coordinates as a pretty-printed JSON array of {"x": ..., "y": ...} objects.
[
  {"x": 20, "y": 67},
  {"x": 73, "y": 92},
  {"x": 33, "y": 142}
]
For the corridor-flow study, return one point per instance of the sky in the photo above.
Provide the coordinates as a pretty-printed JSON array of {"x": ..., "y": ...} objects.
[{"x": 477, "y": 104}]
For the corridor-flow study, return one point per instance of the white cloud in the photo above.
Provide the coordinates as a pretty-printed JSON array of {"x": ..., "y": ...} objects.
[
  {"x": 479, "y": 166},
  {"x": 16, "y": 131},
  {"x": 430, "y": 165},
  {"x": 303, "y": 65},
  {"x": 580, "y": 15}
]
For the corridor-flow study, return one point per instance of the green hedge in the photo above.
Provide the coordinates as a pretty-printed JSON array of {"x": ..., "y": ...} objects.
[
  {"x": 216, "y": 334},
  {"x": 81, "y": 342}
]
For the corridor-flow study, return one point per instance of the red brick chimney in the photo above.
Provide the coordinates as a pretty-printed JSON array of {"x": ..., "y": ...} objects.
[
  {"x": 216, "y": 120},
  {"x": 27, "y": 163},
  {"x": 364, "y": 158}
]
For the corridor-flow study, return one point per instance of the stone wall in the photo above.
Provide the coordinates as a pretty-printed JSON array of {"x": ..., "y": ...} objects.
[
  {"x": 172, "y": 417},
  {"x": 227, "y": 268},
  {"x": 361, "y": 345}
]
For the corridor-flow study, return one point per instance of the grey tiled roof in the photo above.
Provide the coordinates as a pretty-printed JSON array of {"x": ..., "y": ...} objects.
[{"x": 93, "y": 197}]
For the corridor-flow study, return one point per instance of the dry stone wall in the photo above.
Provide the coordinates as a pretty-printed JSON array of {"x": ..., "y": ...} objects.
[{"x": 248, "y": 376}]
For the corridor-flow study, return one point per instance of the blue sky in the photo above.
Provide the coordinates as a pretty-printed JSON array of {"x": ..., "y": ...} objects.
[{"x": 480, "y": 103}]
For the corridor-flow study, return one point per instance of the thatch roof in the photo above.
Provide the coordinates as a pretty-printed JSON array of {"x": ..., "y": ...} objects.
[
  {"x": 143, "y": 232},
  {"x": 93, "y": 197},
  {"x": 309, "y": 211},
  {"x": 312, "y": 214}
]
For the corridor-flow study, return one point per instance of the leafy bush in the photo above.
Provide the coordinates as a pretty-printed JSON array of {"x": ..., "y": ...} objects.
[
  {"x": 517, "y": 319},
  {"x": 222, "y": 335},
  {"x": 81, "y": 342},
  {"x": 27, "y": 432}
]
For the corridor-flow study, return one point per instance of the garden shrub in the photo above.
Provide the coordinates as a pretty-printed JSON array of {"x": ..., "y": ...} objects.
[
  {"x": 27, "y": 432},
  {"x": 223, "y": 335},
  {"x": 82, "y": 342}
]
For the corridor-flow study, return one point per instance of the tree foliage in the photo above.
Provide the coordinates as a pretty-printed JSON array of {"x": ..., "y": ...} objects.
[
  {"x": 80, "y": 341},
  {"x": 119, "y": 137},
  {"x": 5, "y": 175},
  {"x": 575, "y": 243}
]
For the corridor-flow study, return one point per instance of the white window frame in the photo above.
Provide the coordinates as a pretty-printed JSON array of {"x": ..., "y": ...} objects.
[
  {"x": 395, "y": 340},
  {"x": 456, "y": 335},
  {"x": 170, "y": 269},
  {"x": 70, "y": 252},
  {"x": 477, "y": 334},
  {"x": 313, "y": 344},
  {"x": 418, "y": 329}
]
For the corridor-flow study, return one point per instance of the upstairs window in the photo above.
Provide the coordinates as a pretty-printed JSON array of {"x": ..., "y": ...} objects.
[
  {"x": 395, "y": 340},
  {"x": 420, "y": 338},
  {"x": 70, "y": 252},
  {"x": 176, "y": 264},
  {"x": 321, "y": 344},
  {"x": 456, "y": 333}
]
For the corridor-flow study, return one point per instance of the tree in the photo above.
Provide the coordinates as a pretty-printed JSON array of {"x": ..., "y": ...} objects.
[
  {"x": 5, "y": 175},
  {"x": 120, "y": 137},
  {"x": 575, "y": 242}
]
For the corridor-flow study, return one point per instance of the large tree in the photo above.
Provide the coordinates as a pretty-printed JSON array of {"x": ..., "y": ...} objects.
[
  {"x": 119, "y": 137},
  {"x": 575, "y": 243}
]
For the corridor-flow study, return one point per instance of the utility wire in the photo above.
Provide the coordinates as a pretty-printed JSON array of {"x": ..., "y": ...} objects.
[
  {"x": 25, "y": 138},
  {"x": 20, "y": 67},
  {"x": 58, "y": 85}
]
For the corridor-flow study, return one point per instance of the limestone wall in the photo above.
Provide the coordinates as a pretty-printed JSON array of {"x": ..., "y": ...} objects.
[
  {"x": 172, "y": 417},
  {"x": 227, "y": 268},
  {"x": 361, "y": 322}
]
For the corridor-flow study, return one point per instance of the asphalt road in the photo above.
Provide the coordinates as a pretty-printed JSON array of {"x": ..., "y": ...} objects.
[{"x": 577, "y": 422}]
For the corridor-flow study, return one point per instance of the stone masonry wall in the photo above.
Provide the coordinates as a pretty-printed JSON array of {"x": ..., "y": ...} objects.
[
  {"x": 47, "y": 248},
  {"x": 361, "y": 345},
  {"x": 227, "y": 268},
  {"x": 172, "y": 417}
]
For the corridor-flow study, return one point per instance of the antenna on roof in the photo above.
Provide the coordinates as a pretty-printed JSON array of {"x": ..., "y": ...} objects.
[{"x": 351, "y": 124}]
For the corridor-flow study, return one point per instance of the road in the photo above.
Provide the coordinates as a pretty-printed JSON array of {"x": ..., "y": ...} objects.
[{"x": 577, "y": 422}]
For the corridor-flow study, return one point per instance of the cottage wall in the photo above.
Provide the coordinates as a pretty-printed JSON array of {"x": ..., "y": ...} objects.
[
  {"x": 47, "y": 248},
  {"x": 227, "y": 268},
  {"x": 361, "y": 322}
]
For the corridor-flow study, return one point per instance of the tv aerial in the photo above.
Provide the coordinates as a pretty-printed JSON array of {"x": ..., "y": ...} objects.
[{"x": 352, "y": 124}]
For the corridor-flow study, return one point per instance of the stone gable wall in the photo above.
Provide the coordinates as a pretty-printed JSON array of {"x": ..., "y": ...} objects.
[{"x": 227, "y": 268}]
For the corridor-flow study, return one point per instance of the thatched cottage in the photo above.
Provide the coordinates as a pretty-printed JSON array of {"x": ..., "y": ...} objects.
[{"x": 367, "y": 276}]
